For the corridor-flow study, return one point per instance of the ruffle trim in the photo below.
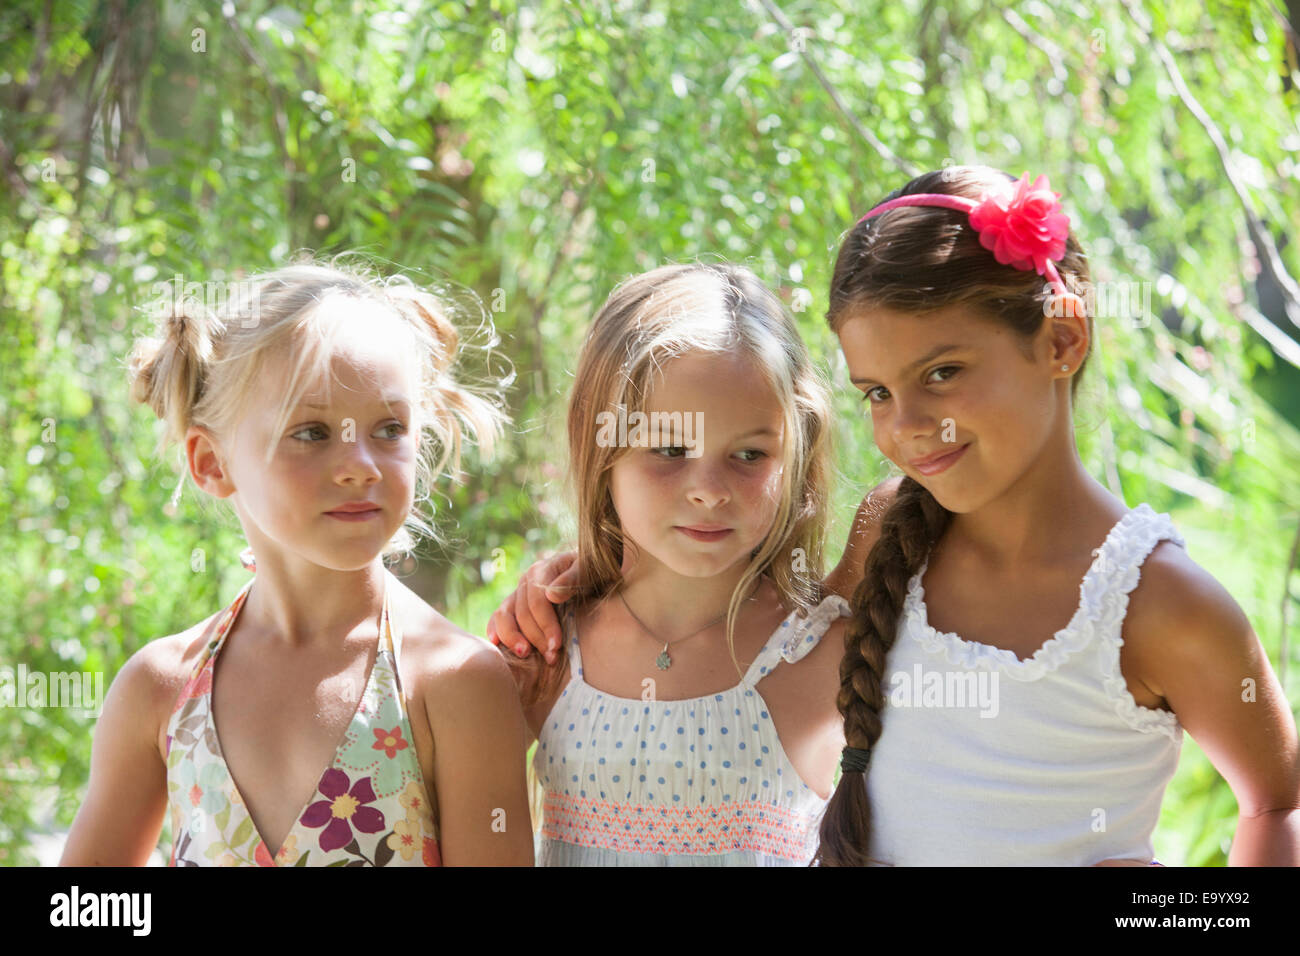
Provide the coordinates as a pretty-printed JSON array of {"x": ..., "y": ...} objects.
[
  {"x": 1103, "y": 602},
  {"x": 809, "y": 630}
]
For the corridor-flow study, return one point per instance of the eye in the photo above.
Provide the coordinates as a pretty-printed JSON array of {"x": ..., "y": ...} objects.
[
  {"x": 311, "y": 428},
  {"x": 753, "y": 451},
  {"x": 951, "y": 369},
  {"x": 401, "y": 430},
  {"x": 879, "y": 391},
  {"x": 668, "y": 448}
]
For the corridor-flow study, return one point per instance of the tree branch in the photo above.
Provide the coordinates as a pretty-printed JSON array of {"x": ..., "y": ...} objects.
[
  {"x": 1263, "y": 239},
  {"x": 867, "y": 136}
]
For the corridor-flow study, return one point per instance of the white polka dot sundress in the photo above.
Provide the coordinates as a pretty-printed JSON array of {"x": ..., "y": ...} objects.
[{"x": 697, "y": 782}]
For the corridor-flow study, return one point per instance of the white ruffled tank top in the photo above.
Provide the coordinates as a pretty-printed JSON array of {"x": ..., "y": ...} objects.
[
  {"x": 988, "y": 760},
  {"x": 702, "y": 781}
]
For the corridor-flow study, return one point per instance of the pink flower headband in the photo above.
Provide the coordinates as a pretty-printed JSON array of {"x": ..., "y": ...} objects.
[{"x": 1021, "y": 224}]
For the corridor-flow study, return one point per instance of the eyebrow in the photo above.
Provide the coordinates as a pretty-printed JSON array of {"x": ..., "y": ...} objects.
[
  {"x": 764, "y": 432},
  {"x": 929, "y": 356},
  {"x": 391, "y": 400}
]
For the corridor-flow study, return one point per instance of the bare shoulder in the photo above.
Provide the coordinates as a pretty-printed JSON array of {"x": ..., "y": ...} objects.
[
  {"x": 1179, "y": 616},
  {"x": 872, "y": 510},
  {"x": 862, "y": 537},
  {"x": 447, "y": 664},
  {"x": 1175, "y": 595},
  {"x": 152, "y": 678}
]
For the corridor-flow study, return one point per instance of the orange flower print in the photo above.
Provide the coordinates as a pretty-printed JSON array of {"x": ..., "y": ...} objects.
[
  {"x": 195, "y": 795},
  {"x": 389, "y": 741},
  {"x": 405, "y": 838},
  {"x": 196, "y": 686},
  {"x": 413, "y": 799},
  {"x": 288, "y": 854},
  {"x": 262, "y": 856},
  {"x": 431, "y": 855}
]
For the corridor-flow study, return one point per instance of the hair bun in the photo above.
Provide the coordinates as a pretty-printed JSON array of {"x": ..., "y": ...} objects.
[
  {"x": 428, "y": 313},
  {"x": 167, "y": 370}
]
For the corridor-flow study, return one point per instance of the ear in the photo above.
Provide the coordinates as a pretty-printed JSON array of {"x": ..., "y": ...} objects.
[
  {"x": 1066, "y": 332},
  {"x": 207, "y": 464}
]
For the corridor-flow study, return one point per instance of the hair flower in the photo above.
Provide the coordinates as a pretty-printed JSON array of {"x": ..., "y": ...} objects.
[{"x": 1023, "y": 226}]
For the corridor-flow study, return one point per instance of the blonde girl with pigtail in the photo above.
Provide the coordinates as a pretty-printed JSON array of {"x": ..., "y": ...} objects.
[
  {"x": 689, "y": 717},
  {"x": 327, "y": 716},
  {"x": 998, "y": 561}
]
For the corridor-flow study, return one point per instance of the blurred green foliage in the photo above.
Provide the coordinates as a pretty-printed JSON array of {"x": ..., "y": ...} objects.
[{"x": 538, "y": 153}]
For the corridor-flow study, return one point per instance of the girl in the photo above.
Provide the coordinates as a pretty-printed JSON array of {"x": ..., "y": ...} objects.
[
  {"x": 691, "y": 719},
  {"x": 312, "y": 403},
  {"x": 1002, "y": 563},
  {"x": 1033, "y": 647}
]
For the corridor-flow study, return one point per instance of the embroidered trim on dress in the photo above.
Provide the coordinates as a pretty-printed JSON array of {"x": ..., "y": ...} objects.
[{"x": 742, "y": 826}]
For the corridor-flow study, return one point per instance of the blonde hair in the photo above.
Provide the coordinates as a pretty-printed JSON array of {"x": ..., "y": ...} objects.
[
  {"x": 207, "y": 361},
  {"x": 647, "y": 321}
]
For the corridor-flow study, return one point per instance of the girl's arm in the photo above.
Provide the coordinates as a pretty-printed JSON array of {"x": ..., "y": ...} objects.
[
  {"x": 120, "y": 819},
  {"x": 1196, "y": 649},
  {"x": 478, "y": 761}
]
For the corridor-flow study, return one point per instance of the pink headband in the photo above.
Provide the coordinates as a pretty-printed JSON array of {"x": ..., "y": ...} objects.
[{"x": 1021, "y": 224}]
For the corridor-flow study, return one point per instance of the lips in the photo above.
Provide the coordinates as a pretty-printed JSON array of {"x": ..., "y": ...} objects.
[
  {"x": 355, "y": 511},
  {"x": 938, "y": 462},
  {"x": 705, "y": 532},
  {"x": 354, "y": 506}
]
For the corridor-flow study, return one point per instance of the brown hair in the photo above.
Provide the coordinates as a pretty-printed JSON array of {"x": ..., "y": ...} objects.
[
  {"x": 214, "y": 342},
  {"x": 914, "y": 259}
]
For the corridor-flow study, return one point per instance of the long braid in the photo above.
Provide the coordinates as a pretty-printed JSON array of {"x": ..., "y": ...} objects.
[{"x": 909, "y": 529}]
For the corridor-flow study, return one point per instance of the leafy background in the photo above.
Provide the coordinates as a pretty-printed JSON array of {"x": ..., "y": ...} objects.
[{"x": 535, "y": 154}]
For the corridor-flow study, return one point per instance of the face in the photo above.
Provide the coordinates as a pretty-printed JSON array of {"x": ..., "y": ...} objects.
[
  {"x": 355, "y": 451},
  {"x": 699, "y": 514},
  {"x": 956, "y": 402}
]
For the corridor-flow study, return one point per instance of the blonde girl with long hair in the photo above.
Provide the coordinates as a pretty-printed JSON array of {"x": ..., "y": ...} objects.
[{"x": 689, "y": 718}]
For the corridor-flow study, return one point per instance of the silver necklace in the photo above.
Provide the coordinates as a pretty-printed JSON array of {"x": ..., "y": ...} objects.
[{"x": 664, "y": 661}]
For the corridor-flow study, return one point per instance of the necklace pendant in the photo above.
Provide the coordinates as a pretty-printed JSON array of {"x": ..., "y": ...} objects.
[{"x": 663, "y": 661}]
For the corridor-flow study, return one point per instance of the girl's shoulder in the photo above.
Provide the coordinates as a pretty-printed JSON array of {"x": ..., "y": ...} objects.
[
  {"x": 1181, "y": 624},
  {"x": 154, "y": 676},
  {"x": 443, "y": 662},
  {"x": 843, "y": 580},
  {"x": 1176, "y": 599}
]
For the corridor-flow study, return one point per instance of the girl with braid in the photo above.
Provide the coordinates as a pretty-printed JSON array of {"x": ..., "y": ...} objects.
[{"x": 1026, "y": 650}]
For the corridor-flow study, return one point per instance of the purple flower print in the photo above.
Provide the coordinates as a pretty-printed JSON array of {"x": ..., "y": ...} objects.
[{"x": 342, "y": 809}]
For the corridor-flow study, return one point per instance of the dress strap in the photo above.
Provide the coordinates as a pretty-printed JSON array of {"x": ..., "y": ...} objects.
[
  {"x": 1105, "y": 595},
  {"x": 215, "y": 635},
  {"x": 797, "y": 635},
  {"x": 1118, "y": 564},
  {"x": 571, "y": 643},
  {"x": 390, "y": 635}
]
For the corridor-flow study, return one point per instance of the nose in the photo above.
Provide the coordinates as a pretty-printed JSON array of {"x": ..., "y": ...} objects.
[
  {"x": 356, "y": 464},
  {"x": 912, "y": 419},
  {"x": 708, "y": 487}
]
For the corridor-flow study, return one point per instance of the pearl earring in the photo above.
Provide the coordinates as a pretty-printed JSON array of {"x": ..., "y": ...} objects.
[{"x": 1065, "y": 368}]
